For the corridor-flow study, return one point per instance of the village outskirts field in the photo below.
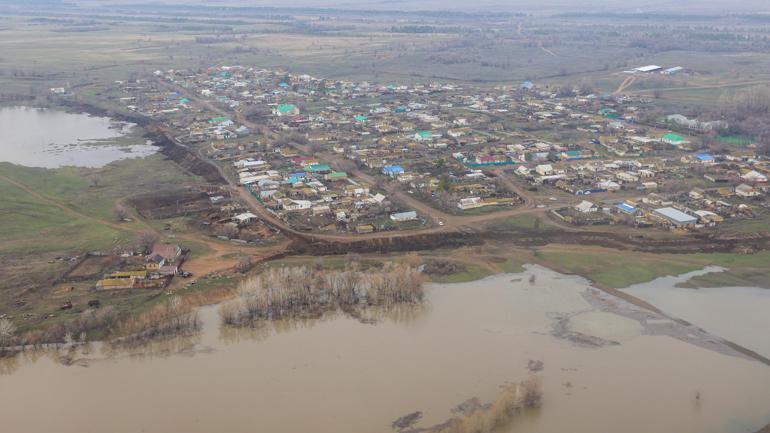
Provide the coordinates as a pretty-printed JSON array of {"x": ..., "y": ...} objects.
[{"x": 50, "y": 216}]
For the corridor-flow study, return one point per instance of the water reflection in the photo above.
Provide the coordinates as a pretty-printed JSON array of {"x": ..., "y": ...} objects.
[
  {"x": 9, "y": 364},
  {"x": 401, "y": 314},
  {"x": 187, "y": 344}
]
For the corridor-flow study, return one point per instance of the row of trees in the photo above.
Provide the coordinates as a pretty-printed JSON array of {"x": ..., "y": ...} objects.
[
  {"x": 74, "y": 330},
  {"x": 747, "y": 113},
  {"x": 176, "y": 316},
  {"x": 303, "y": 291}
]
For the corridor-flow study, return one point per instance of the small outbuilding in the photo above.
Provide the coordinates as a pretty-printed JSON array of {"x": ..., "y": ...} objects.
[{"x": 404, "y": 216}]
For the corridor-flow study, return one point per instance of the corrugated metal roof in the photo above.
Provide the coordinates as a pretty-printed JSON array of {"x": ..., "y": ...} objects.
[{"x": 676, "y": 215}]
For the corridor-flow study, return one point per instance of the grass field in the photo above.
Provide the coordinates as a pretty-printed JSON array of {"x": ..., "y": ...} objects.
[
  {"x": 618, "y": 269},
  {"x": 75, "y": 200},
  {"x": 29, "y": 225},
  {"x": 521, "y": 222},
  {"x": 467, "y": 272},
  {"x": 736, "y": 140},
  {"x": 65, "y": 51},
  {"x": 759, "y": 224}
]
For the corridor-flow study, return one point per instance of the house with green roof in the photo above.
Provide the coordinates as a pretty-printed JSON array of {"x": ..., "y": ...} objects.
[
  {"x": 286, "y": 110},
  {"x": 320, "y": 168},
  {"x": 609, "y": 113},
  {"x": 361, "y": 118},
  {"x": 673, "y": 139},
  {"x": 423, "y": 136},
  {"x": 336, "y": 175}
]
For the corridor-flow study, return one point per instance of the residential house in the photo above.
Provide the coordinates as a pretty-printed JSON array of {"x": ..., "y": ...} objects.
[
  {"x": 746, "y": 191},
  {"x": 281, "y": 110},
  {"x": 586, "y": 206},
  {"x": 544, "y": 169}
]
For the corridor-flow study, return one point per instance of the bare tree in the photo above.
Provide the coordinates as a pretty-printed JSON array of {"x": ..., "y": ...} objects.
[
  {"x": 95, "y": 180},
  {"x": 144, "y": 240},
  {"x": 245, "y": 264},
  {"x": 7, "y": 333},
  {"x": 120, "y": 213},
  {"x": 300, "y": 291},
  {"x": 229, "y": 231}
]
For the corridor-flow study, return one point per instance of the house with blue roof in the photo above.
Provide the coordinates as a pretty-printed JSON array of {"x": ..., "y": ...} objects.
[
  {"x": 626, "y": 208},
  {"x": 705, "y": 158},
  {"x": 392, "y": 170}
]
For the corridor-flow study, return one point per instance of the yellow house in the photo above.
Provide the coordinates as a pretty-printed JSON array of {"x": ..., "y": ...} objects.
[{"x": 154, "y": 263}]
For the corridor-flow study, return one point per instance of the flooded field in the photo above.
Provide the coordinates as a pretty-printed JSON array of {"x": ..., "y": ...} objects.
[
  {"x": 49, "y": 138},
  {"x": 739, "y": 314},
  {"x": 606, "y": 367}
]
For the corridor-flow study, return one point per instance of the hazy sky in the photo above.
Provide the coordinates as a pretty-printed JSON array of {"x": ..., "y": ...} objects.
[
  {"x": 679, "y": 6},
  {"x": 682, "y": 6}
]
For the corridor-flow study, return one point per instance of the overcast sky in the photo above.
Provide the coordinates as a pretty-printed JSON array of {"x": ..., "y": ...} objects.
[{"x": 691, "y": 6}]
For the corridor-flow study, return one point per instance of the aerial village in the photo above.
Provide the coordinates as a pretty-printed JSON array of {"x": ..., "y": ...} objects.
[{"x": 354, "y": 158}]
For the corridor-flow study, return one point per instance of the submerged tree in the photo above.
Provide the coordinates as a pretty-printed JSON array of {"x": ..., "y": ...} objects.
[
  {"x": 7, "y": 333},
  {"x": 306, "y": 291}
]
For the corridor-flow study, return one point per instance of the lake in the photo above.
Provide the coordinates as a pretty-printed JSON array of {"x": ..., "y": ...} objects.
[
  {"x": 606, "y": 368},
  {"x": 51, "y": 138}
]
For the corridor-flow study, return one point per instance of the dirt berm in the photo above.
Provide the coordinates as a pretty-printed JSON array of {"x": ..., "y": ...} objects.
[
  {"x": 429, "y": 241},
  {"x": 188, "y": 159},
  {"x": 691, "y": 244}
]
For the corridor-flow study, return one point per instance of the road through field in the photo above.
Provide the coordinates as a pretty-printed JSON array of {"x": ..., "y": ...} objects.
[{"x": 63, "y": 207}]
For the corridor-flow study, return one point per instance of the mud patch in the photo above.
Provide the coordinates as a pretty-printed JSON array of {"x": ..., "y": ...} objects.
[{"x": 562, "y": 330}]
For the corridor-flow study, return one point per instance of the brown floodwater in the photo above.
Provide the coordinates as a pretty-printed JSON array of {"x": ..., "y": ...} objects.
[
  {"x": 740, "y": 314},
  {"x": 339, "y": 375}
]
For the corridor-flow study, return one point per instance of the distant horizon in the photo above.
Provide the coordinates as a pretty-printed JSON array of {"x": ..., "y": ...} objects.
[{"x": 492, "y": 6}]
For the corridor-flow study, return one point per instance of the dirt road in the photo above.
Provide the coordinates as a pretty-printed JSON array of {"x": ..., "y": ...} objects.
[{"x": 450, "y": 222}]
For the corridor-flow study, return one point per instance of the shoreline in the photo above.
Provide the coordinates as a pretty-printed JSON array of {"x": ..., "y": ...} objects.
[{"x": 600, "y": 297}]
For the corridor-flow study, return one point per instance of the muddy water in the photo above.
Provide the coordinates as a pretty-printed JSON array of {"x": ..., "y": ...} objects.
[
  {"x": 339, "y": 375},
  {"x": 50, "y": 139},
  {"x": 739, "y": 314}
]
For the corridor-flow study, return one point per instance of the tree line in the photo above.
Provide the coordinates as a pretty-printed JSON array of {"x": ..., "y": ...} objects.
[{"x": 295, "y": 292}]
